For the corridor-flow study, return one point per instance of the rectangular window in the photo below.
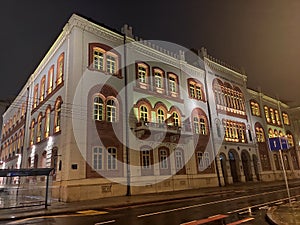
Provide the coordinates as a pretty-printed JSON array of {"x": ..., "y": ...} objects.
[
  {"x": 35, "y": 96},
  {"x": 178, "y": 160},
  {"x": 110, "y": 64},
  {"x": 163, "y": 159},
  {"x": 112, "y": 159},
  {"x": 98, "y": 60},
  {"x": 158, "y": 80},
  {"x": 192, "y": 91},
  {"x": 199, "y": 93},
  {"x": 172, "y": 84},
  {"x": 200, "y": 160},
  {"x": 142, "y": 74},
  {"x": 146, "y": 159},
  {"x": 97, "y": 158}
]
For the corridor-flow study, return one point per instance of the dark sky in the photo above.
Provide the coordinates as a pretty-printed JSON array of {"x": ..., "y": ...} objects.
[{"x": 262, "y": 36}]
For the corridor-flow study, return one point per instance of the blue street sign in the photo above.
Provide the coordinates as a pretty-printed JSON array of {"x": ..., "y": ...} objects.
[
  {"x": 274, "y": 144},
  {"x": 284, "y": 143},
  {"x": 278, "y": 143}
]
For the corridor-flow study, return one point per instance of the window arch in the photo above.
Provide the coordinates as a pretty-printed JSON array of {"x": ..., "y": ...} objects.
[
  {"x": 57, "y": 116},
  {"x": 195, "y": 88},
  {"x": 47, "y": 122},
  {"x": 200, "y": 122},
  {"x": 98, "y": 108},
  {"x": 229, "y": 99},
  {"x": 104, "y": 58}
]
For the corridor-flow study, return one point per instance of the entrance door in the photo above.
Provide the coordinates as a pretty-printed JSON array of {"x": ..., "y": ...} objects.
[
  {"x": 223, "y": 167},
  {"x": 247, "y": 166},
  {"x": 233, "y": 166}
]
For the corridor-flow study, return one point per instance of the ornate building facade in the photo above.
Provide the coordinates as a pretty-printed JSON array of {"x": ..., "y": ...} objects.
[{"x": 115, "y": 115}]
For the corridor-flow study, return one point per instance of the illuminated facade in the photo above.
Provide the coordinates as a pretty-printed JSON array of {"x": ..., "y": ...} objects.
[{"x": 89, "y": 111}]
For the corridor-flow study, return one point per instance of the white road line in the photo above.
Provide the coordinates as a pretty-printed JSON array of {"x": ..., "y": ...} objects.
[
  {"x": 260, "y": 205},
  {"x": 105, "y": 222},
  {"x": 208, "y": 203}
]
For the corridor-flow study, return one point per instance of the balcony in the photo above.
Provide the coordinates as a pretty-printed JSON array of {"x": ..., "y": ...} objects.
[{"x": 144, "y": 129}]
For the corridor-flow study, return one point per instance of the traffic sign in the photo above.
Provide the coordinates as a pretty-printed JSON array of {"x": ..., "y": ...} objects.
[{"x": 278, "y": 143}]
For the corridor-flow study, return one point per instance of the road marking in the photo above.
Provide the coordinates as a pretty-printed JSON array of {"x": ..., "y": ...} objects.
[
  {"x": 241, "y": 221},
  {"x": 78, "y": 214},
  {"x": 262, "y": 205},
  {"x": 91, "y": 212},
  {"x": 207, "y": 203},
  {"x": 105, "y": 222}
]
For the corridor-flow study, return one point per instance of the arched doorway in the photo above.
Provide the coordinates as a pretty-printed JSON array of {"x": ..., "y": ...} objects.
[
  {"x": 233, "y": 160},
  {"x": 224, "y": 167},
  {"x": 246, "y": 161},
  {"x": 255, "y": 164}
]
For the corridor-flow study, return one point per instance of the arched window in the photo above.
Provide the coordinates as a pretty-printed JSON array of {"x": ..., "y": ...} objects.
[
  {"x": 160, "y": 116},
  {"x": 290, "y": 138},
  {"x": 272, "y": 115},
  {"x": 111, "y": 108},
  {"x": 163, "y": 159},
  {"x": 158, "y": 79},
  {"x": 50, "y": 79},
  {"x": 202, "y": 126},
  {"x": 98, "y": 108},
  {"x": 144, "y": 113},
  {"x": 260, "y": 134},
  {"x": 267, "y": 114},
  {"x": 271, "y": 133},
  {"x": 196, "y": 125},
  {"x": 286, "y": 119},
  {"x": 35, "y": 96},
  {"x": 173, "y": 85},
  {"x": 196, "y": 89},
  {"x": 278, "y": 121},
  {"x": 47, "y": 122},
  {"x": 42, "y": 89},
  {"x": 146, "y": 159},
  {"x": 176, "y": 121},
  {"x": 60, "y": 69},
  {"x": 103, "y": 58},
  {"x": 57, "y": 117},
  {"x": 255, "y": 110},
  {"x": 39, "y": 129},
  {"x": 32, "y": 132}
]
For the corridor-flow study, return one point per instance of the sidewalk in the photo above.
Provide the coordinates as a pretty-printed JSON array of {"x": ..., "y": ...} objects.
[
  {"x": 285, "y": 214},
  {"x": 123, "y": 201}
]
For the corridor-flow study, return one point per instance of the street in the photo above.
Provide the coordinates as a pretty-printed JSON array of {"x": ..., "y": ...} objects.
[{"x": 236, "y": 205}]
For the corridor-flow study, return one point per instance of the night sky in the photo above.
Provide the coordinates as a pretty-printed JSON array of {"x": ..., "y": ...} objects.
[{"x": 262, "y": 36}]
